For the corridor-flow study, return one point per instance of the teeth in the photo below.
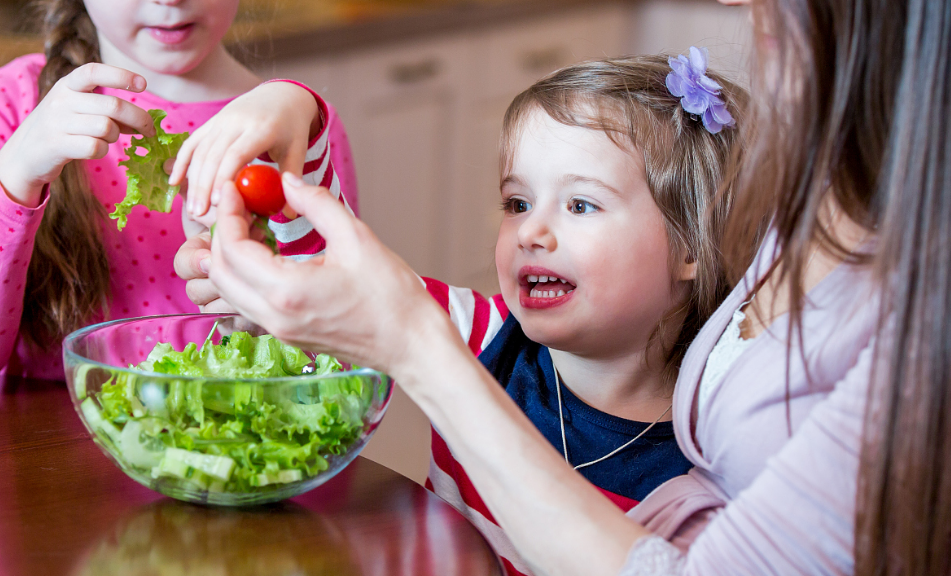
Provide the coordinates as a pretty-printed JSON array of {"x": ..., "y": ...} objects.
[
  {"x": 547, "y": 293},
  {"x": 533, "y": 279}
]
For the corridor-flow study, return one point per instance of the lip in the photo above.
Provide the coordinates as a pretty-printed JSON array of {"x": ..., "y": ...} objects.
[
  {"x": 526, "y": 301},
  {"x": 171, "y": 35}
]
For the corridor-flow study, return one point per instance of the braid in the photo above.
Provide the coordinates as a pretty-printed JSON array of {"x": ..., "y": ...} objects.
[{"x": 68, "y": 278}]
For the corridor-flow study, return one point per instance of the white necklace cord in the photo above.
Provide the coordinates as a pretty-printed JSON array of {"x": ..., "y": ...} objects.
[{"x": 564, "y": 441}]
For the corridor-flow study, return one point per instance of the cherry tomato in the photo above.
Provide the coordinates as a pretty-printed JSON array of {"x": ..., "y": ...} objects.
[{"x": 260, "y": 186}]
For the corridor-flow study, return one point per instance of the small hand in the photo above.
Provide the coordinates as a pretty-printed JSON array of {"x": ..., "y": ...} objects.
[
  {"x": 276, "y": 118},
  {"x": 70, "y": 123}
]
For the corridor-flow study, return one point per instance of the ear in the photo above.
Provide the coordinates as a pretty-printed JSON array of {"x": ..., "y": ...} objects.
[{"x": 687, "y": 270}]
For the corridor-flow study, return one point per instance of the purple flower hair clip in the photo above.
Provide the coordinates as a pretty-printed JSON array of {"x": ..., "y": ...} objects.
[{"x": 698, "y": 93}]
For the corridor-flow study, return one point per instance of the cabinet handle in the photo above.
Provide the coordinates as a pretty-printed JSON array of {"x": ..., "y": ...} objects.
[
  {"x": 543, "y": 61},
  {"x": 414, "y": 72}
]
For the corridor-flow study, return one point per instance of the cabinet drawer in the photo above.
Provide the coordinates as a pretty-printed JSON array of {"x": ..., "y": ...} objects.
[
  {"x": 518, "y": 55},
  {"x": 406, "y": 69}
]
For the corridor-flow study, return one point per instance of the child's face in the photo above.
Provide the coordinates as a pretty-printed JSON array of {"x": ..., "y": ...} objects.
[
  {"x": 164, "y": 36},
  {"x": 578, "y": 208}
]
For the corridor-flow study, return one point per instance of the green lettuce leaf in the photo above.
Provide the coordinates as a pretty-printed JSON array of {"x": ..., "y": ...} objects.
[
  {"x": 272, "y": 434},
  {"x": 148, "y": 182}
]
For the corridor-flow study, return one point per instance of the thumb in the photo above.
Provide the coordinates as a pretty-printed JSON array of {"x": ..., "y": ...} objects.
[{"x": 325, "y": 212}]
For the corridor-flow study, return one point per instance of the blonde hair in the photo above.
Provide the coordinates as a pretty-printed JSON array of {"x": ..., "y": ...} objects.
[{"x": 688, "y": 168}]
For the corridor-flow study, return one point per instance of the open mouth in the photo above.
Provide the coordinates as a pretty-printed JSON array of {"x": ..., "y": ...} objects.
[
  {"x": 172, "y": 34},
  {"x": 548, "y": 286}
]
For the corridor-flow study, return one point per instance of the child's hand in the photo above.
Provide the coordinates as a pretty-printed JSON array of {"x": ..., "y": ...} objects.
[
  {"x": 70, "y": 123},
  {"x": 192, "y": 263},
  {"x": 276, "y": 118}
]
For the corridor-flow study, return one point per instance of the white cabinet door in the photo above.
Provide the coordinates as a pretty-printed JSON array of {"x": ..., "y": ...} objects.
[{"x": 401, "y": 109}]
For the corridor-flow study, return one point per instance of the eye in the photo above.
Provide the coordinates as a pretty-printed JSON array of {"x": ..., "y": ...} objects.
[
  {"x": 579, "y": 206},
  {"x": 515, "y": 206}
]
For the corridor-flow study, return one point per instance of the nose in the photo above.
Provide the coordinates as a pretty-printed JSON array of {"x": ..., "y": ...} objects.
[{"x": 536, "y": 233}]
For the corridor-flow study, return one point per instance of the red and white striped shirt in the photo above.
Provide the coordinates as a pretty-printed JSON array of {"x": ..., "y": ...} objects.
[{"x": 478, "y": 320}]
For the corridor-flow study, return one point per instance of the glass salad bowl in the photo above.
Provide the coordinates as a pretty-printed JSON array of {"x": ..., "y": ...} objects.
[{"x": 209, "y": 408}]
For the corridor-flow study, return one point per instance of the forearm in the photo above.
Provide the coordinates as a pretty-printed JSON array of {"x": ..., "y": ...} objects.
[
  {"x": 559, "y": 523},
  {"x": 18, "y": 225}
]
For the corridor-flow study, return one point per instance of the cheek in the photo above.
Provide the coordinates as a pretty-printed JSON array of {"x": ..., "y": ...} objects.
[
  {"x": 504, "y": 256},
  {"x": 220, "y": 15},
  {"x": 112, "y": 20}
]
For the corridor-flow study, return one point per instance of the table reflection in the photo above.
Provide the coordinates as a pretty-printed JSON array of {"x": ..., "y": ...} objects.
[{"x": 169, "y": 537}]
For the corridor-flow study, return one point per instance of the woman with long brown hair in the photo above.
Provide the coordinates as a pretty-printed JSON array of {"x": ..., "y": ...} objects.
[{"x": 814, "y": 403}]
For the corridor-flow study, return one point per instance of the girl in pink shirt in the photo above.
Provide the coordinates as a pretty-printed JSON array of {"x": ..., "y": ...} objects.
[{"x": 65, "y": 120}]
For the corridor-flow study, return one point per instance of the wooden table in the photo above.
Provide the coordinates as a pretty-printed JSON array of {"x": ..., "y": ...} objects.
[{"x": 65, "y": 509}]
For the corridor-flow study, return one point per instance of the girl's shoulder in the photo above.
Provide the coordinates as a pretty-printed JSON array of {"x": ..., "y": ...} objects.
[
  {"x": 25, "y": 68},
  {"x": 19, "y": 87}
]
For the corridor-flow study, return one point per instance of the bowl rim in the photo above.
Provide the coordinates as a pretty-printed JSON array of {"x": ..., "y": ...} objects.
[{"x": 77, "y": 334}]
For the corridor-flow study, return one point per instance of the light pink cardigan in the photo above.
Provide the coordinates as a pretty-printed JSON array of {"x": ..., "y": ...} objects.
[{"x": 759, "y": 500}]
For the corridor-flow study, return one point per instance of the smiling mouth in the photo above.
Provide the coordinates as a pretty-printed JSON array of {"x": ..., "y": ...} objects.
[{"x": 548, "y": 286}]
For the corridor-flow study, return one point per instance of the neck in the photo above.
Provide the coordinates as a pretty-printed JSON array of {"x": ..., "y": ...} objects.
[
  {"x": 628, "y": 386},
  {"x": 217, "y": 77}
]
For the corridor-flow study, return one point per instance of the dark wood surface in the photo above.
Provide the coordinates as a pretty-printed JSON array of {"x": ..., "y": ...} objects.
[{"x": 66, "y": 509}]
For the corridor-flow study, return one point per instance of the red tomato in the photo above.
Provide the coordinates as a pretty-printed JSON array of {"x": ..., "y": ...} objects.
[{"x": 260, "y": 186}]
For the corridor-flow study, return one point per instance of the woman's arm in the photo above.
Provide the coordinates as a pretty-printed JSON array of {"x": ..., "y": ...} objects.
[{"x": 362, "y": 303}]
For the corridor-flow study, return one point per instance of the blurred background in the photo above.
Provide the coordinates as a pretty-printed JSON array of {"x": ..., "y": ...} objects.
[{"x": 422, "y": 86}]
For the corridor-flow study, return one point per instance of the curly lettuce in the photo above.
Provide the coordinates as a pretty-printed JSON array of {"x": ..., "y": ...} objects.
[
  {"x": 237, "y": 436},
  {"x": 147, "y": 180}
]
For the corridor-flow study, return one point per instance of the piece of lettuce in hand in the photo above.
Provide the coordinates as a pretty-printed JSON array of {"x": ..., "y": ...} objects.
[{"x": 148, "y": 182}]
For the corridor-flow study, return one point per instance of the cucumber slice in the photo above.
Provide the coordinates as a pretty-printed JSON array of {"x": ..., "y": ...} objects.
[
  {"x": 140, "y": 448},
  {"x": 282, "y": 477},
  {"x": 96, "y": 422},
  {"x": 219, "y": 467},
  {"x": 79, "y": 380}
]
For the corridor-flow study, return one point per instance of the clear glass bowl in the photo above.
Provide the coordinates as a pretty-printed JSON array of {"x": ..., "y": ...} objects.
[{"x": 177, "y": 434}]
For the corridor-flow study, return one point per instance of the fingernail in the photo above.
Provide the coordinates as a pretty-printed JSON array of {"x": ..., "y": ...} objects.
[
  {"x": 293, "y": 180},
  {"x": 215, "y": 196},
  {"x": 138, "y": 83},
  {"x": 204, "y": 265}
]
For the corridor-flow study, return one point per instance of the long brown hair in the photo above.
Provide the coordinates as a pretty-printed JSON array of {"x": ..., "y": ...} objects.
[
  {"x": 628, "y": 100},
  {"x": 865, "y": 93},
  {"x": 68, "y": 278}
]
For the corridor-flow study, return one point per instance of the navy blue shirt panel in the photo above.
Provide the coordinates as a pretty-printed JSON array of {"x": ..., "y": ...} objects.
[{"x": 525, "y": 370}]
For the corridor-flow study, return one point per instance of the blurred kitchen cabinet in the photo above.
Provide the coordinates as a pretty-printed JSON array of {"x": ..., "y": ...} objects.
[
  {"x": 402, "y": 109},
  {"x": 424, "y": 118}
]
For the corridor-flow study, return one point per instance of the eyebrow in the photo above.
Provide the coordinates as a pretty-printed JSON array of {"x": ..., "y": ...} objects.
[
  {"x": 511, "y": 179},
  {"x": 569, "y": 179}
]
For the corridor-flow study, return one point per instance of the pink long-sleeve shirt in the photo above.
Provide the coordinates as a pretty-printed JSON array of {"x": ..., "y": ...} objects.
[
  {"x": 761, "y": 500},
  {"x": 143, "y": 281}
]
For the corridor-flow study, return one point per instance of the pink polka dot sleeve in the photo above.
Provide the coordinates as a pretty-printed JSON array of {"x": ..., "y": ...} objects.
[{"x": 18, "y": 224}]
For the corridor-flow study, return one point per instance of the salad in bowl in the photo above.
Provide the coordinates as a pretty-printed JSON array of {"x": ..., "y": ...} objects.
[{"x": 208, "y": 408}]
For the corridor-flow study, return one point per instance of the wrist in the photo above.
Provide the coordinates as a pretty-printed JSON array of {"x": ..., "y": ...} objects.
[
  {"x": 309, "y": 101},
  {"x": 433, "y": 354},
  {"x": 17, "y": 188}
]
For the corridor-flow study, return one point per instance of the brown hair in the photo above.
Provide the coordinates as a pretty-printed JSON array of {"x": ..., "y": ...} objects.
[
  {"x": 866, "y": 120},
  {"x": 628, "y": 100},
  {"x": 68, "y": 278}
]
